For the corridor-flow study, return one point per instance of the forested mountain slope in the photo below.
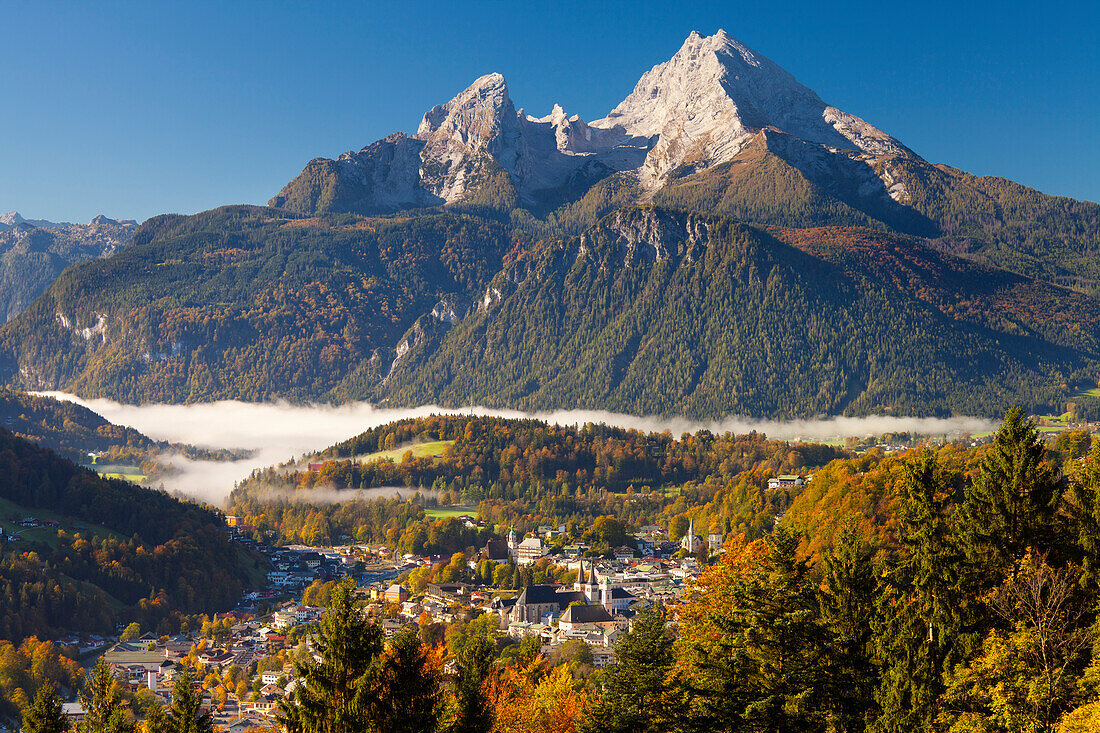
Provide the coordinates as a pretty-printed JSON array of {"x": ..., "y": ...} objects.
[
  {"x": 248, "y": 303},
  {"x": 653, "y": 312},
  {"x": 649, "y": 312},
  {"x": 122, "y": 552},
  {"x": 32, "y": 256}
]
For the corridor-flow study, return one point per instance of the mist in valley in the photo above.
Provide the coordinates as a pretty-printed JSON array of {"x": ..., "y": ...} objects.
[{"x": 279, "y": 432}]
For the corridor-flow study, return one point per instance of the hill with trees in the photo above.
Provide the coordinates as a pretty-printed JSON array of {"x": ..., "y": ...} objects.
[{"x": 116, "y": 551}]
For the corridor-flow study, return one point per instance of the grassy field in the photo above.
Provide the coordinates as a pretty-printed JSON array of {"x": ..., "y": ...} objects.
[
  {"x": 419, "y": 450},
  {"x": 119, "y": 470},
  {"x": 45, "y": 535},
  {"x": 440, "y": 512}
]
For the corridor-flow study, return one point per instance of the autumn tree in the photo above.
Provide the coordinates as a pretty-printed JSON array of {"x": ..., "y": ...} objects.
[
  {"x": 1024, "y": 678},
  {"x": 410, "y": 697},
  {"x": 527, "y": 698}
]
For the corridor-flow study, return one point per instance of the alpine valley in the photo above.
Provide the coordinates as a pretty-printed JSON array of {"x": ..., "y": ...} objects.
[{"x": 722, "y": 242}]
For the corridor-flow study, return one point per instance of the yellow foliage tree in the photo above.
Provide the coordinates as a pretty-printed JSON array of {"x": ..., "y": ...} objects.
[{"x": 528, "y": 701}]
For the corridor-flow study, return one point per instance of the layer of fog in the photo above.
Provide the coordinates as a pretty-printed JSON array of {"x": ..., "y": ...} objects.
[{"x": 280, "y": 432}]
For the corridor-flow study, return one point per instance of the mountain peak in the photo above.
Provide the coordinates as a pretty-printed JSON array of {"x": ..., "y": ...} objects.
[
  {"x": 479, "y": 120},
  {"x": 699, "y": 109},
  {"x": 13, "y": 218},
  {"x": 702, "y": 106},
  {"x": 484, "y": 101}
]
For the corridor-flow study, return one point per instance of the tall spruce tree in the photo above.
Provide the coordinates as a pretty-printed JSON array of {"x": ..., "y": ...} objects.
[
  {"x": 185, "y": 714},
  {"x": 1085, "y": 511},
  {"x": 411, "y": 694},
  {"x": 1010, "y": 504},
  {"x": 44, "y": 714},
  {"x": 471, "y": 711},
  {"x": 920, "y": 609},
  {"x": 104, "y": 710},
  {"x": 337, "y": 694},
  {"x": 764, "y": 670},
  {"x": 847, "y": 609},
  {"x": 636, "y": 693}
]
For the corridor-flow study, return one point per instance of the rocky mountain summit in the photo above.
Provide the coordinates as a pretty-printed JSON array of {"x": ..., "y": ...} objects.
[
  {"x": 697, "y": 110},
  {"x": 13, "y": 218}
]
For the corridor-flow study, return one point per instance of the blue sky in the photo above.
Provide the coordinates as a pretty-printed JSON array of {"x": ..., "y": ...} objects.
[{"x": 134, "y": 109}]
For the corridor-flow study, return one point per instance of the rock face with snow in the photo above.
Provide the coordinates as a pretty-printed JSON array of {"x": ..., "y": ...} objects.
[{"x": 697, "y": 110}]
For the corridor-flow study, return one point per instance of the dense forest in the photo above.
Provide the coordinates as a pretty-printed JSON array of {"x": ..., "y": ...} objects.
[
  {"x": 646, "y": 311},
  {"x": 122, "y": 552},
  {"x": 652, "y": 312},
  {"x": 68, "y": 429},
  {"x": 248, "y": 303},
  {"x": 523, "y": 474}
]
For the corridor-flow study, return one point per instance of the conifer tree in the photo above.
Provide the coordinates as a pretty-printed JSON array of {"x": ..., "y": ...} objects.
[
  {"x": 471, "y": 711},
  {"x": 44, "y": 714},
  {"x": 920, "y": 608},
  {"x": 337, "y": 694},
  {"x": 1010, "y": 504},
  {"x": 1085, "y": 510},
  {"x": 847, "y": 609},
  {"x": 104, "y": 711},
  {"x": 185, "y": 715},
  {"x": 759, "y": 653},
  {"x": 636, "y": 693},
  {"x": 410, "y": 695}
]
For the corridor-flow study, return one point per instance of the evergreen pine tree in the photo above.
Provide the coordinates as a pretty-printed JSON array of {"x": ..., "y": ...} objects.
[
  {"x": 1010, "y": 504},
  {"x": 411, "y": 694},
  {"x": 186, "y": 715},
  {"x": 471, "y": 711},
  {"x": 920, "y": 608},
  {"x": 1085, "y": 510},
  {"x": 104, "y": 711},
  {"x": 636, "y": 693},
  {"x": 337, "y": 694},
  {"x": 766, "y": 668},
  {"x": 44, "y": 714},
  {"x": 847, "y": 609}
]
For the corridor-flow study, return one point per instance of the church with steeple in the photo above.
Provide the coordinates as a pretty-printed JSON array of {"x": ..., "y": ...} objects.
[
  {"x": 537, "y": 601},
  {"x": 691, "y": 541}
]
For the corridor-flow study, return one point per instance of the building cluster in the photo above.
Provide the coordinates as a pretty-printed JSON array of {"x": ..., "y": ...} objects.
[{"x": 257, "y": 645}]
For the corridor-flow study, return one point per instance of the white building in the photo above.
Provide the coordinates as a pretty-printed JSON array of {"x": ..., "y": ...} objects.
[{"x": 530, "y": 550}]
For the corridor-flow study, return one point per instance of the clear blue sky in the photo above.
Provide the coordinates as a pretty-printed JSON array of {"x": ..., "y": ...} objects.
[{"x": 134, "y": 109}]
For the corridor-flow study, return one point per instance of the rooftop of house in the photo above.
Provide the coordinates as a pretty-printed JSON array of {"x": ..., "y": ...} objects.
[{"x": 585, "y": 615}]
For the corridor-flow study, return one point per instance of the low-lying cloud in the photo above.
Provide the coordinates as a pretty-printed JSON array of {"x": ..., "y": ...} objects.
[{"x": 278, "y": 432}]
